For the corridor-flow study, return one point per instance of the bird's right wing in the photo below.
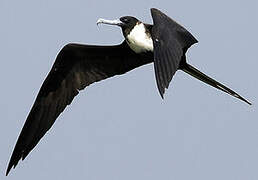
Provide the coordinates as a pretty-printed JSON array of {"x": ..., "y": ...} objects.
[
  {"x": 76, "y": 67},
  {"x": 170, "y": 42}
]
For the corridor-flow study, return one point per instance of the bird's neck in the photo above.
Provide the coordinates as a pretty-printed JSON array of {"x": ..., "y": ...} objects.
[{"x": 139, "y": 39}]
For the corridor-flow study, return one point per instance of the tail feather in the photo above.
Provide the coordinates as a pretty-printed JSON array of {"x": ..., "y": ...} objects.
[{"x": 204, "y": 78}]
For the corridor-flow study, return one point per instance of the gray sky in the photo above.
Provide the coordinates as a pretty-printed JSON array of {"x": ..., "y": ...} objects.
[{"x": 120, "y": 129}]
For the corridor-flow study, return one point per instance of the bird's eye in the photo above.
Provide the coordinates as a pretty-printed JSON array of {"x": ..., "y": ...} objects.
[{"x": 125, "y": 20}]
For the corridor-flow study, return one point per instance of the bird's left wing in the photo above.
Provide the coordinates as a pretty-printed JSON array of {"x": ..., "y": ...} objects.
[
  {"x": 76, "y": 67},
  {"x": 170, "y": 42}
]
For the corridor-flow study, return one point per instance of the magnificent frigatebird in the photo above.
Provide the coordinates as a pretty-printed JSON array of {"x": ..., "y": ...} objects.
[{"x": 77, "y": 66}]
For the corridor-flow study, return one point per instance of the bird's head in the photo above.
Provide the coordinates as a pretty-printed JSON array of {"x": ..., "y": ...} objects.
[{"x": 127, "y": 23}]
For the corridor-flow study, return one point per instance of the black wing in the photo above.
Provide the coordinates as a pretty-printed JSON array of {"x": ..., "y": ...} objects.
[
  {"x": 76, "y": 67},
  {"x": 170, "y": 42}
]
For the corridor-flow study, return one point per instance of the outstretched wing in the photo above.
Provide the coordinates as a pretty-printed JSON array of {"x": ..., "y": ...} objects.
[
  {"x": 76, "y": 67},
  {"x": 170, "y": 41}
]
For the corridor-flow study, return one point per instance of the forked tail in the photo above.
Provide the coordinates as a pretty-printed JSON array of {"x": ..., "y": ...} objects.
[{"x": 202, "y": 77}]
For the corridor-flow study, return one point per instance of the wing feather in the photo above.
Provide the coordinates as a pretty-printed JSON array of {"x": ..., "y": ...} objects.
[
  {"x": 76, "y": 67},
  {"x": 170, "y": 41}
]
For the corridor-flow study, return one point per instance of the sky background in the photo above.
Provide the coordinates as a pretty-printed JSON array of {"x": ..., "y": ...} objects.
[{"x": 120, "y": 129}]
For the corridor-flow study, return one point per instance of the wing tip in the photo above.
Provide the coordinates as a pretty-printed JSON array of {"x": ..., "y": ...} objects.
[
  {"x": 10, "y": 166},
  {"x": 8, "y": 170},
  {"x": 162, "y": 96},
  {"x": 15, "y": 158},
  {"x": 161, "y": 92},
  {"x": 155, "y": 11}
]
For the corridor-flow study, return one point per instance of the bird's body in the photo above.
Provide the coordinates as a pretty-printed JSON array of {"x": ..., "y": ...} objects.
[{"x": 77, "y": 66}]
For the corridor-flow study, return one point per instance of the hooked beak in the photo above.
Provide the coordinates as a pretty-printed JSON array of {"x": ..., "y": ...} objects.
[{"x": 111, "y": 22}]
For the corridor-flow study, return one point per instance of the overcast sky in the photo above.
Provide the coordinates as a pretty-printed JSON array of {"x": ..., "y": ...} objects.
[{"x": 120, "y": 129}]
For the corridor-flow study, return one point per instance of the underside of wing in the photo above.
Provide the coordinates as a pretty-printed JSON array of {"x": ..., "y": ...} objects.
[
  {"x": 170, "y": 41},
  {"x": 76, "y": 67}
]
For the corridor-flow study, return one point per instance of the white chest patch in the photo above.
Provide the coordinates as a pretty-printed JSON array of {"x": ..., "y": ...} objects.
[{"x": 138, "y": 41}]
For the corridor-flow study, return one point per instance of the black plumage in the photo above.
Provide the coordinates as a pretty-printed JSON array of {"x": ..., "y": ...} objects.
[
  {"x": 170, "y": 42},
  {"x": 78, "y": 66}
]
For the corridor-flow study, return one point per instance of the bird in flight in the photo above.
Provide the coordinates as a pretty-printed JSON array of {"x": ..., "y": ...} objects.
[{"x": 164, "y": 43}]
